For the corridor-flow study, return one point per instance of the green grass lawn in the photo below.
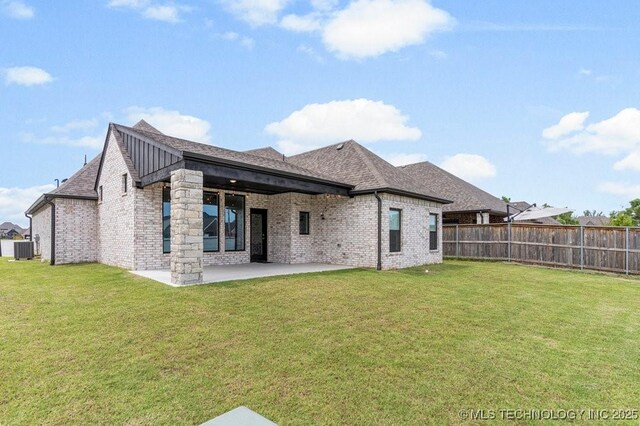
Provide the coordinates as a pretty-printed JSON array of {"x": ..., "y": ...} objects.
[{"x": 93, "y": 344}]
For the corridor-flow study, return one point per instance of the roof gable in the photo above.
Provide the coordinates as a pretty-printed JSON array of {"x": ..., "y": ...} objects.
[
  {"x": 267, "y": 152},
  {"x": 465, "y": 196},
  {"x": 143, "y": 125},
  {"x": 353, "y": 163}
]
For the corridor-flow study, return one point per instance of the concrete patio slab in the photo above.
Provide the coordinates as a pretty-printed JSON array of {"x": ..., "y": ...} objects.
[{"x": 214, "y": 274}]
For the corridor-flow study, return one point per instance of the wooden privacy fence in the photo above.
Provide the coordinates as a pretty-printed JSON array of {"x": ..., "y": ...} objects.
[{"x": 613, "y": 249}]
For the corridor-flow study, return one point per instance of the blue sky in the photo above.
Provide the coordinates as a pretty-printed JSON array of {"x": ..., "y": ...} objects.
[{"x": 534, "y": 100}]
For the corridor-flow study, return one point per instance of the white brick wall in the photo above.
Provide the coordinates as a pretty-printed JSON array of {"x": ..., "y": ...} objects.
[
  {"x": 414, "y": 232},
  {"x": 347, "y": 235},
  {"x": 41, "y": 227},
  {"x": 116, "y": 217},
  {"x": 76, "y": 231}
]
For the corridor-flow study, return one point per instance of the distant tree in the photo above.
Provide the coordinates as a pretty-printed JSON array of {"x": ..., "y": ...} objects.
[
  {"x": 621, "y": 219},
  {"x": 592, "y": 213},
  {"x": 629, "y": 216},
  {"x": 567, "y": 219},
  {"x": 506, "y": 199}
]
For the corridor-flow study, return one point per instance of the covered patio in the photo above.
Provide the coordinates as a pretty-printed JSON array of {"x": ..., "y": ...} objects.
[{"x": 220, "y": 273}]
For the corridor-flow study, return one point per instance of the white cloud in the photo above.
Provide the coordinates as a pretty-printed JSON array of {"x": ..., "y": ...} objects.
[
  {"x": 246, "y": 42},
  {"x": 172, "y": 123},
  {"x": 363, "y": 120},
  {"x": 256, "y": 12},
  {"x": 75, "y": 125},
  {"x": 311, "y": 52},
  {"x": 27, "y": 76},
  {"x": 152, "y": 10},
  {"x": 304, "y": 23},
  {"x": 615, "y": 135},
  {"x": 93, "y": 142},
  {"x": 584, "y": 71},
  {"x": 402, "y": 159},
  {"x": 622, "y": 189},
  {"x": 15, "y": 201},
  {"x": 470, "y": 167},
  {"x": 570, "y": 123},
  {"x": 17, "y": 9},
  {"x": 367, "y": 28},
  {"x": 630, "y": 162},
  {"x": 162, "y": 13}
]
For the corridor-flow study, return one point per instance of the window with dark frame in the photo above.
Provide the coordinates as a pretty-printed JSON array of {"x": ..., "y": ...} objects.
[
  {"x": 166, "y": 220},
  {"x": 124, "y": 183},
  {"x": 100, "y": 193},
  {"x": 304, "y": 223},
  {"x": 395, "y": 230},
  {"x": 233, "y": 222},
  {"x": 433, "y": 231},
  {"x": 210, "y": 221}
]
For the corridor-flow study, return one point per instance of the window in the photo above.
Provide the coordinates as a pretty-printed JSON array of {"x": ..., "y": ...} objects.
[
  {"x": 433, "y": 231},
  {"x": 166, "y": 220},
  {"x": 124, "y": 183},
  {"x": 304, "y": 223},
  {"x": 100, "y": 193},
  {"x": 395, "y": 227},
  {"x": 210, "y": 224},
  {"x": 233, "y": 222}
]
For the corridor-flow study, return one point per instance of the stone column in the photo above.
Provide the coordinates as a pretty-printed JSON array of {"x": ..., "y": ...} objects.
[{"x": 186, "y": 227}]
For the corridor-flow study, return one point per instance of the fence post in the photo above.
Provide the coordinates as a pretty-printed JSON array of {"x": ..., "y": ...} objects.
[
  {"x": 581, "y": 247},
  {"x": 626, "y": 251},
  {"x": 457, "y": 242},
  {"x": 509, "y": 241}
]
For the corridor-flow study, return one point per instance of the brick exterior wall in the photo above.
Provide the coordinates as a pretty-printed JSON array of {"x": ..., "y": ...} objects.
[
  {"x": 116, "y": 218},
  {"x": 347, "y": 235},
  {"x": 41, "y": 227},
  {"x": 414, "y": 232},
  {"x": 76, "y": 231}
]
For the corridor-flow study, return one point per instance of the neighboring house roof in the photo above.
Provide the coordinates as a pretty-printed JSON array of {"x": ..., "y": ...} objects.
[
  {"x": 465, "y": 196},
  {"x": 593, "y": 220},
  {"x": 267, "y": 152},
  {"x": 6, "y": 226},
  {"x": 351, "y": 162}
]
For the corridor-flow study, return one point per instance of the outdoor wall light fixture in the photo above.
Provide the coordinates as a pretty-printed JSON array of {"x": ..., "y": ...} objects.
[{"x": 232, "y": 180}]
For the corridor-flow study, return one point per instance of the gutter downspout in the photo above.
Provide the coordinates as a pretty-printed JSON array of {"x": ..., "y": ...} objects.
[
  {"x": 379, "y": 264},
  {"x": 53, "y": 231},
  {"x": 30, "y": 226}
]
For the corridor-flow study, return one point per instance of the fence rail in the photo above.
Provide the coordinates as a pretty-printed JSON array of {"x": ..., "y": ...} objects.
[{"x": 612, "y": 249}]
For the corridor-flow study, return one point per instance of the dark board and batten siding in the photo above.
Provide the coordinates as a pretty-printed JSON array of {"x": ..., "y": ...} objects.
[
  {"x": 613, "y": 249},
  {"x": 147, "y": 157}
]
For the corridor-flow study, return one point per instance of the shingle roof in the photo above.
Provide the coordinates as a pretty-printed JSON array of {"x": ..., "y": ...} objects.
[
  {"x": 351, "y": 162},
  {"x": 143, "y": 125},
  {"x": 82, "y": 183},
  {"x": 593, "y": 220},
  {"x": 465, "y": 196},
  {"x": 267, "y": 152},
  {"x": 215, "y": 152}
]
